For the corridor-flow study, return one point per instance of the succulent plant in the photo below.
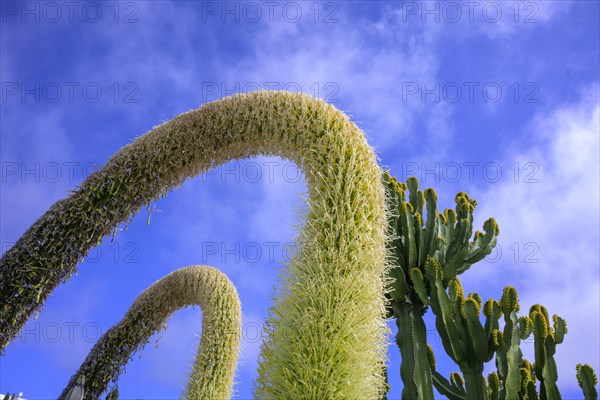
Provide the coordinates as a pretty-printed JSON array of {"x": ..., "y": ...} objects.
[
  {"x": 214, "y": 367},
  {"x": 326, "y": 335}
]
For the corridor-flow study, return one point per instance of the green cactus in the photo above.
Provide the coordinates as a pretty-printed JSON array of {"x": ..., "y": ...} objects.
[
  {"x": 214, "y": 368},
  {"x": 427, "y": 256},
  {"x": 326, "y": 334},
  {"x": 545, "y": 347},
  {"x": 587, "y": 381}
]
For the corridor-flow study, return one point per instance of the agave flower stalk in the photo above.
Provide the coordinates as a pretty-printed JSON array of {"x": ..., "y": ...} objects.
[
  {"x": 214, "y": 367},
  {"x": 326, "y": 334}
]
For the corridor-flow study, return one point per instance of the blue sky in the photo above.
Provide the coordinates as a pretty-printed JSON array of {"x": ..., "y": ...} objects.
[{"x": 498, "y": 99}]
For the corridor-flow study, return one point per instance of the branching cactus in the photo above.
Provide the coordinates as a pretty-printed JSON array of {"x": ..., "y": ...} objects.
[
  {"x": 442, "y": 242},
  {"x": 427, "y": 257},
  {"x": 326, "y": 334},
  {"x": 471, "y": 344},
  {"x": 214, "y": 367}
]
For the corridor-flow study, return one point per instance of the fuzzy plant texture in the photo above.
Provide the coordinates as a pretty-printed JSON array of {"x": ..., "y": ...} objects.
[
  {"x": 214, "y": 367},
  {"x": 326, "y": 333}
]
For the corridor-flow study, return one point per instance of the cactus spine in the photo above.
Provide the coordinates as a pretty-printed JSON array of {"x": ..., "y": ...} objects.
[
  {"x": 326, "y": 332},
  {"x": 214, "y": 367}
]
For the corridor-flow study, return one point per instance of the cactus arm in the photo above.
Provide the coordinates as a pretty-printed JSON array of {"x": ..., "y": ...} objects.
[
  {"x": 331, "y": 303},
  {"x": 411, "y": 339},
  {"x": 477, "y": 336},
  {"x": 404, "y": 340},
  {"x": 422, "y": 371},
  {"x": 458, "y": 240},
  {"x": 408, "y": 235},
  {"x": 446, "y": 388},
  {"x": 587, "y": 381},
  {"x": 431, "y": 226},
  {"x": 441, "y": 306},
  {"x": 413, "y": 194},
  {"x": 476, "y": 388},
  {"x": 560, "y": 329},
  {"x": 214, "y": 367},
  {"x": 483, "y": 244},
  {"x": 493, "y": 386},
  {"x": 491, "y": 310},
  {"x": 514, "y": 356},
  {"x": 549, "y": 371},
  {"x": 540, "y": 332},
  {"x": 416, "y": 276}
]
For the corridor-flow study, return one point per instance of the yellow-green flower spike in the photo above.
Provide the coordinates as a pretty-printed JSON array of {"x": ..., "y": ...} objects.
[
  {"x": 214, "y": 368},
  {"x": 328, "y": 336}
]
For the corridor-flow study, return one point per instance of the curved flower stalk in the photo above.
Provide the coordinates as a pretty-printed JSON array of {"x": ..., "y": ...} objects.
[
  {"x": 214, "y": 368},
  {"x": 326, "y": 334}
]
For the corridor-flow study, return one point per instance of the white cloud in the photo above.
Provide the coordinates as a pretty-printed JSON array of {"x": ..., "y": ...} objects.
[{"x": 559, "y": 216}]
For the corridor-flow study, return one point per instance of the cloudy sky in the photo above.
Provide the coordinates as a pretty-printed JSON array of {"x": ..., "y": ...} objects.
[{"x": 498, "y": 99}]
